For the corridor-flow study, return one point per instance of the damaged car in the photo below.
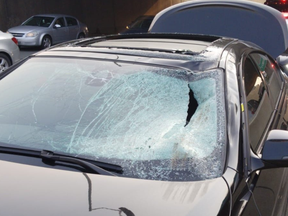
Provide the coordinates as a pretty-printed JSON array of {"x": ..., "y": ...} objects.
[
  {"x": 146, "y": 124},
  {"x": 94, "y": 122}
]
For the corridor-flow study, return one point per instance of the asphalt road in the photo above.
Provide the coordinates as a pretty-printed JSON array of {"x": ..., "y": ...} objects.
[{"x": 24, "y": 52}]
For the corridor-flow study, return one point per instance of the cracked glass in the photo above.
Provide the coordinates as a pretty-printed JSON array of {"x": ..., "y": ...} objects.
[{"x": 157, "y": 123}]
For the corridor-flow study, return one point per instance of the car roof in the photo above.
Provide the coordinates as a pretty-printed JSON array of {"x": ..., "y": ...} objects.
[
  {"x": 170, "y": 43},
  {"x": 246, "y": 20},
  {"x": 174, "y": 50}
]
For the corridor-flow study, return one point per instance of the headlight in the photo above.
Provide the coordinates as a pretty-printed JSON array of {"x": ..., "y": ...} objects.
[{"x": 32, "y": 34}]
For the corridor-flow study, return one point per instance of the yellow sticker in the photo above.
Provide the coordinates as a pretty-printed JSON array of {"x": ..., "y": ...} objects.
[{"x": 242, "y": 107}]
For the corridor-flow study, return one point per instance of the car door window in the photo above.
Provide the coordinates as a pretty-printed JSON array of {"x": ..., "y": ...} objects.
[
  {"x": 60, "y": 22},
  {"x": 258, "y": 103},
  {"x": 270, "y": 73}
]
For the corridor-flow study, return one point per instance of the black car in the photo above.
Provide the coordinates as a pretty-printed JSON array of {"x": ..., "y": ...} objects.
[
  {"x": 145, "y": 124},
  {"x": 140, "y": 25}
]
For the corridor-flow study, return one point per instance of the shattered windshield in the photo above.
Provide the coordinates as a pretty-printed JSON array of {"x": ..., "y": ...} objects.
[{"x": 157, "y": 123}]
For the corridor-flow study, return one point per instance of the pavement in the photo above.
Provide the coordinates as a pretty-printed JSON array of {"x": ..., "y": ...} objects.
[{"x": 24, "y": 52}]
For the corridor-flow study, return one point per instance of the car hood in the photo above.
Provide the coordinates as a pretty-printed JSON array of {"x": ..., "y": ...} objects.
[
  {"x": 25, "y": 29},
  {"x": 42, "y": 191}
]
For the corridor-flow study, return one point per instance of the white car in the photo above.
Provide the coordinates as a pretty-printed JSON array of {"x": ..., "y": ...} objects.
[{"x": 9, "y": 51}]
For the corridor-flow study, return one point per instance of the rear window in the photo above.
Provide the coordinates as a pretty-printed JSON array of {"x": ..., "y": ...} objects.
[{"x": 157, "y": 123}]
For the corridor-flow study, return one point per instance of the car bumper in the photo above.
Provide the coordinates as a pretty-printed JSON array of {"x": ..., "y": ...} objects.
[
  {"x": 28, "y": 41},
  {"x": 15, "y": 55}
]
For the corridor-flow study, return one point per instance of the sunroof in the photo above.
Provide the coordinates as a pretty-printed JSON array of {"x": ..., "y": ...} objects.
[{"x": 155, "y": 44}]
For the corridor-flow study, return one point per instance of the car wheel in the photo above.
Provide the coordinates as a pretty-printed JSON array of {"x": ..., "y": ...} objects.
[
  {"x": 81, "y": 35},
  {"x": 46, "y": 42},
  {"x": 5, "y": 62}
]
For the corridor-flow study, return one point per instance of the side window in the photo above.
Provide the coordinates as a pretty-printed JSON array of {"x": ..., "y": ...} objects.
[
  {"x": 60, "y": 22},
  {"x": 258, "y": 104},
  {"x": 270, "y": 72},
  {"x": 71, "y": 21}
]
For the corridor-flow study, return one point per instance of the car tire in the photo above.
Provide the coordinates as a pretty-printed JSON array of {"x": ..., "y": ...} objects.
[
  {"x": 5, "y": 62},
  {"x": 46, "y": 42},
  {"x": 81, "y": 35}
]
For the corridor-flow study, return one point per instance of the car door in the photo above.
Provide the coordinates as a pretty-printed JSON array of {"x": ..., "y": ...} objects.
[
  {"x": 73, "y": 27},
  {"x": 265, "y": 110},
  {"x": 61, "y": 32}
]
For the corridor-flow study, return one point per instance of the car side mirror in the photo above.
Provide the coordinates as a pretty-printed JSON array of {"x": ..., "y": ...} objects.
[
  {"x": 275, "y": 150},
  {"x": 282, "y": 61},
  {"x": 57, "y": 26}
]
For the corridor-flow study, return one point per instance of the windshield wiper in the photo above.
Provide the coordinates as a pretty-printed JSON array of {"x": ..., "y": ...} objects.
[{"x": 97, "y": 169}]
